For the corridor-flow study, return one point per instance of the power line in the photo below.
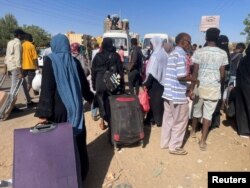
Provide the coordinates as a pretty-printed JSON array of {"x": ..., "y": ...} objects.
[{"x": 53, "y": 14}]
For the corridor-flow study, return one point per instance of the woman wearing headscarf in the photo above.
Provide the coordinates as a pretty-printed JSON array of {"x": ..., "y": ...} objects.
[
  {"x": 222, "y": 44},
  {"x": 242, "y": 96},
  {"x": 63, "y": 86},
  {"x": 75, "y": 51},
  {"x": 154, "y": 81},
  {"x": 99, "y": 66}
]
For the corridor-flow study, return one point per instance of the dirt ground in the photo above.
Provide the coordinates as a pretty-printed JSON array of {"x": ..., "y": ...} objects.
[{"x": 137, "y": 167}]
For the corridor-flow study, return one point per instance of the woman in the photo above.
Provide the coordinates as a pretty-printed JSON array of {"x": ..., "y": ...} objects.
[
  {"x": 75, "y": 52},
  {"x": 154, "y": 78},
  {"x": 242, "y": 96},
  {"x": 63, "y": 85},
  {"x": 99, "y": 66},
  {"x": 222, "y": 44}
]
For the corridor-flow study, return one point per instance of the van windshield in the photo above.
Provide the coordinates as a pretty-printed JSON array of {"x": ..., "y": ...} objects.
[
  {"x": 120, "y": 42},
  {"x": 146, "y": 43}
]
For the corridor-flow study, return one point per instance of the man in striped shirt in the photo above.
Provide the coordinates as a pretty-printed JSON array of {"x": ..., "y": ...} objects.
[{"x": 175, "y": 118}]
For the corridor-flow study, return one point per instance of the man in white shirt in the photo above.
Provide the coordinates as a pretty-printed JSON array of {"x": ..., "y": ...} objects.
[
  {"x": 13, "y": 58},
  {"x": 209, "y": 67}
]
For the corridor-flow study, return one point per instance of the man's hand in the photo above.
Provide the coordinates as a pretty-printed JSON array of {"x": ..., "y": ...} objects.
[{"x": 191, "y": 95}]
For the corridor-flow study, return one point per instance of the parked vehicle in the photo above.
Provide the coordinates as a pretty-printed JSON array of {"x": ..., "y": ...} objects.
[
  {"x": 40, "y": 57},
  {"x": 149, "y": 36},
  {"x": 120, "y": 38}
]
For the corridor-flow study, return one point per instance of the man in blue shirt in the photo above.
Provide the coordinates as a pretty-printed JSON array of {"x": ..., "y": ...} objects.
[{"x": 175, "y": 118}]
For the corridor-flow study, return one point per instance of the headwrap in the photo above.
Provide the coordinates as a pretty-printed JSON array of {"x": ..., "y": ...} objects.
[
  {"x": 107, "y": 45},
  {"x": 158, "y": 61},
  {"x": 67, "y": 80}
]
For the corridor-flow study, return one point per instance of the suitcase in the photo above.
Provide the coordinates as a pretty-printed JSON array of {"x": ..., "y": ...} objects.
[
  {"x": 9, "y": 103},
  {"x": 126, "y": 120},
  {"x": 44, "y": 156}
]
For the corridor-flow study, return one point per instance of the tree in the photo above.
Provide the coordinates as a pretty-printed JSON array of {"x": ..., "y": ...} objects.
[
  {"x": 7, "y": 25},
  {"x": 40, "y": 36},
  {"x": 247, "y": 28}
]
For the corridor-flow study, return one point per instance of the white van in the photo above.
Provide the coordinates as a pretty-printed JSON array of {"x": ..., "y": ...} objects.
[
  {"x": 149, "y": 36},
  {"x": 120, "y": 38}
]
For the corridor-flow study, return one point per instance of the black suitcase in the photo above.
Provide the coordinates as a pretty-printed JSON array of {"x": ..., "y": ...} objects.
[{"x": 126, "y": 121}]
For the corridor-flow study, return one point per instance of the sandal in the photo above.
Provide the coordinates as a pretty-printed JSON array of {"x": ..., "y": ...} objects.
[
  {"x": 203, "y": 147},
  {"x": 178, "y": 151}
]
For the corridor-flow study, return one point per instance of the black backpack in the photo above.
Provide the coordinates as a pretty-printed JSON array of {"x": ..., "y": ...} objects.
[{"x": 111, "y": 77}]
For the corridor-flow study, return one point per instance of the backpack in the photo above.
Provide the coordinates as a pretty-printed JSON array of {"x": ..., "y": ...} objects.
[{"x": 111, "y": 78}]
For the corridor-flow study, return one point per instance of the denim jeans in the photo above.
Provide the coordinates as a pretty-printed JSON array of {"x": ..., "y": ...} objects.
[{"x": 14, "y": 80}]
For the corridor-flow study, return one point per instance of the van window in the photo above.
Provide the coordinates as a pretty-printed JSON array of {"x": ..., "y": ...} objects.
[
  {"x": 120, "y": 42},
  {"x": 146, "y": 43}
]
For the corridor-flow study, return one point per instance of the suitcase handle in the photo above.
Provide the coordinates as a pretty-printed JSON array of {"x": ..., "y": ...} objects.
[{"x": 43, "y": 128}]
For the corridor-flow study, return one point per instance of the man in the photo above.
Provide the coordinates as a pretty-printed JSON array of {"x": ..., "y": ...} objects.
[
  {"x": 175, "y": 117},
  {"x": 134, "y": 67},
  {"x": 29, "y": 65},
  {"x": 13, "y": 59},
  {"x": 209, "y": 67}
]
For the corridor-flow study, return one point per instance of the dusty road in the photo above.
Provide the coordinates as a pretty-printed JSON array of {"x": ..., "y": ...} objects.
[{"x": 149, "y": 167}]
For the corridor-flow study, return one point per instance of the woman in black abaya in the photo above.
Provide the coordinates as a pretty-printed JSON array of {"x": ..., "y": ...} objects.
[{"x": 243, "y": 96}]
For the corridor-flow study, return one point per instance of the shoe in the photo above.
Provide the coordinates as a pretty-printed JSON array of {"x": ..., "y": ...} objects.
[
  {"x": 31, "y": 104},
  {"x": 178, "y": 151},
  {"x": 244, "y": 136}
]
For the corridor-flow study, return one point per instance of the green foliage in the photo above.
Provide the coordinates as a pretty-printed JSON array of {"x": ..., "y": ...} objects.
[
  {"x": 247, "y": 29},
  {"x": 9, "y": 23},
  {"x": 40, "y": 36}
]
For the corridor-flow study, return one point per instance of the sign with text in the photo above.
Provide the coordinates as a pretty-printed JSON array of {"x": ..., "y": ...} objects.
[{"x": 208, "y": 22}]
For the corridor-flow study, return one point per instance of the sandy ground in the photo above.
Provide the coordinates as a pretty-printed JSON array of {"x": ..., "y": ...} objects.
[{"x": 137, "y": 167}]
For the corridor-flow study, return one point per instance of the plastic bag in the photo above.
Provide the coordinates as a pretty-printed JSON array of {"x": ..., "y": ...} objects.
[
  {"x": 37, "y": 81},
  {"x": 144, "y": 100}
]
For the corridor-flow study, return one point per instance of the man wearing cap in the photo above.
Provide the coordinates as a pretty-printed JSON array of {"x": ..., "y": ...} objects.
[{"x": 209, "y": 69}]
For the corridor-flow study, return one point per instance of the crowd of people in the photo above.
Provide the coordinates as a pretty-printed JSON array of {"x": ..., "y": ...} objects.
[{"x": 174, "y": 77}]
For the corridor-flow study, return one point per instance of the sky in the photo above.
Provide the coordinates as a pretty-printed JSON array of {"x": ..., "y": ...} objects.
[{"x": 145, "y": 16}]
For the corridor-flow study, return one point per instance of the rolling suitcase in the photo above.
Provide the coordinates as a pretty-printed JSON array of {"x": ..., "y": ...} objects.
[
  {"x": 44, "y": 156},
  {"x": 10, "y": 101},
  {"x": 126, "y": 120}
]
